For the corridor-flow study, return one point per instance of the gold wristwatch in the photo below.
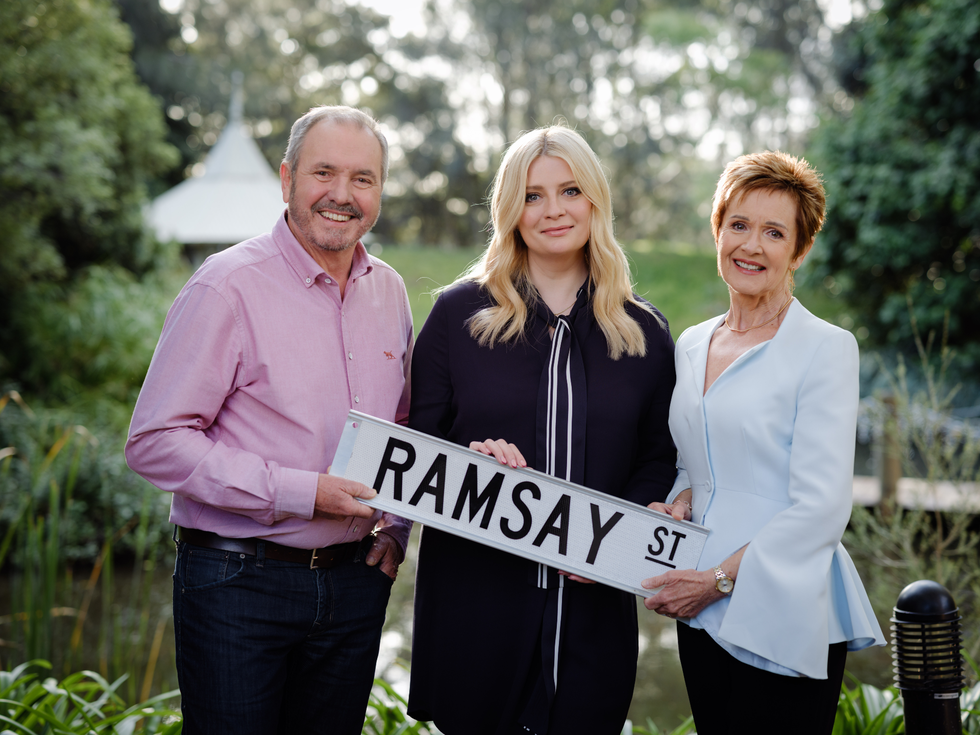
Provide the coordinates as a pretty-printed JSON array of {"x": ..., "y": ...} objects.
[{"x": 723, "y": 583}]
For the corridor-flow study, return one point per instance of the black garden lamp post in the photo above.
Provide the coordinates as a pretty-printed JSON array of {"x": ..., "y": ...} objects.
[{"x": 926, "y": 652}]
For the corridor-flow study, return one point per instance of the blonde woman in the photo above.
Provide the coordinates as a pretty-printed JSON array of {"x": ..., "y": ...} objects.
[{"x": 541, "y": 356}]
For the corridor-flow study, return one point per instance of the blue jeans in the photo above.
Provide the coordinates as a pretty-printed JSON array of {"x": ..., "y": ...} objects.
[{"x": 268, "y": 646}]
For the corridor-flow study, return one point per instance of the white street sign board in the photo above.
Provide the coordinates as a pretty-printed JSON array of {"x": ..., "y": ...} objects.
[{"x": 521, "y": 511}]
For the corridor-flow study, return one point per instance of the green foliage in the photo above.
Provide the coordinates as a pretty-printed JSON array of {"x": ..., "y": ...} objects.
[
  {"x": 92, "y": 338},
  {"x": 86, "y": 702},
  {"x": 81, "y": 703},
  {"x": 895, "y": 547},
  {"x": 386, "y": 714},
  {"x": 67, "y": 500},
  {"x": 685, "y": 728},
  {"x": 99, "y": 495},
  {"x": 46, "y": 522},
  {"x": 867, "y": 710},
  {"x": 902, "y": 173},
  {"x": 79, "y": 137},
  {"x": 744, "y": 62},
  {"x": 676, "y": 26},
  {"x": 970, "y": 700}
]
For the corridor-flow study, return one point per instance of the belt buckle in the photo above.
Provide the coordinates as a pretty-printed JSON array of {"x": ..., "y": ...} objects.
[{"x": 313, "y": 559}]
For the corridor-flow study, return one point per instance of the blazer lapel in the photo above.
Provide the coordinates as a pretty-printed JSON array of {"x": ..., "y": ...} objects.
[{"x": 696, "y": 356}]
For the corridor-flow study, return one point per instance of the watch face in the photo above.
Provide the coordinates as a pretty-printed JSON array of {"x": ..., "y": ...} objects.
[{"x": 725, "y": 585}]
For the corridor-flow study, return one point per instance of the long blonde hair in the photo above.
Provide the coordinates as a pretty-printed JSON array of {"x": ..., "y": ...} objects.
[{"x": 503, "y": 269}]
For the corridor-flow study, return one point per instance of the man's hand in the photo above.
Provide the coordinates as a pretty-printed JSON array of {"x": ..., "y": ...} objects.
[
  {"x": 335, "y": 498},
  {"x": 386, "y": 552}
]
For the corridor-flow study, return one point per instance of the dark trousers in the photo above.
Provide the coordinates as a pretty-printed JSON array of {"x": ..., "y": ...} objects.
[
  {"x": 269, "y": 646},
  {"x": 729, "y": 697}
]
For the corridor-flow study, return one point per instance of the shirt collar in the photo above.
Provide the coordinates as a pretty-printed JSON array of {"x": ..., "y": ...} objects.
[{"x": 302, "y": 263}]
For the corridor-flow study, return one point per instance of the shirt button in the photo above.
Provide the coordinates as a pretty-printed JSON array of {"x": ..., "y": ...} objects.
[
  {"x": 350, "y": 355},
  {"x": 357, "y": 399},
  {"x": 328, "y": 280},
  {"x": 309, "y": 280}
]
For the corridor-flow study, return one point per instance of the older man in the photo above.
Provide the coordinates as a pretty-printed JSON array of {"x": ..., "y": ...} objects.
[{"x": 282, "y": 577}]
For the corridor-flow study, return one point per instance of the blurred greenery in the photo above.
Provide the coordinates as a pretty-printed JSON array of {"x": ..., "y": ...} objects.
[
  {"x": 894, "y": 545},
  {"x": 79, "y": 139},
  {"x": 902, "y": 170},
  {"x": 644, "y": 80}
]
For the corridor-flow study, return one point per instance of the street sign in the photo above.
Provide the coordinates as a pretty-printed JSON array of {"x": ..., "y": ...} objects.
[{"x": 522, "y": 511}]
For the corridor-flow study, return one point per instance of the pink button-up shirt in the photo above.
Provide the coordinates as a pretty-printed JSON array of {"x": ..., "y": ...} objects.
[{"x": 246, "y": 397}]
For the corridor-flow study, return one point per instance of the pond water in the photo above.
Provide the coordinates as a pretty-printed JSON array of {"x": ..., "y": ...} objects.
[{"x": 138, "y": 612}]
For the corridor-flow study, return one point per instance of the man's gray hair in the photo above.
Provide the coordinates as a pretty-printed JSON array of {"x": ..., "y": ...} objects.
[{"x": 333, "y": 114}]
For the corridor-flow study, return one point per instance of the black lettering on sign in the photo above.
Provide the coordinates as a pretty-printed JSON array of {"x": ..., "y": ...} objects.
[
  {"x": 436, "y": 472},
  {"x": 600, "y": 531},
  {"x": 470, "y": 491},
  {"x": 557, "y": 524},
  {"x": 398, "y": 468},
  {"x": 658, "y": 534},
  {"x": 525, "y": 512}
]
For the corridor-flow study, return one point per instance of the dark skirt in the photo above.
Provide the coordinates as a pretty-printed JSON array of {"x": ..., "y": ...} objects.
[{"x": 481, "y": 624}]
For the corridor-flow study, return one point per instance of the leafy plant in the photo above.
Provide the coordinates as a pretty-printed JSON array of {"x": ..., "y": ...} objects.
[
  {"x": 39, "y": 479},
  {"x": 386, "y": 714},
  {"x": 685, "y": 728},
  {"x": 82, "y": 702},
  {"x": 867, "y": 710},
  {"x": 931, "y": 540},
  {"x": 902, "y": 168},
  {"x": 85, "y": 702}
]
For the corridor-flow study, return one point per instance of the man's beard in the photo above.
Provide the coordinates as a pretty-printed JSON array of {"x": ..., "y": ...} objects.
[{"x": 304, "y": 221}]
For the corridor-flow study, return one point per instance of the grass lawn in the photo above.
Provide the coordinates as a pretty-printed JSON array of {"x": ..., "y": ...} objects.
[{"x": 681, "y": 281}]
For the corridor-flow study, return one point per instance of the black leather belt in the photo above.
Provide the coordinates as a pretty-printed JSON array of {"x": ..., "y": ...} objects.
[{"x": 325, "y": 558}]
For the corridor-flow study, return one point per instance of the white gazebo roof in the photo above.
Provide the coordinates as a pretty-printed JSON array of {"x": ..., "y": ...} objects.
[{"x": 238, "y": 196}]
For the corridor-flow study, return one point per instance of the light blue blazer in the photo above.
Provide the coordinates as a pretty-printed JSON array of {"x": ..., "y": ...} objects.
[{"x": 769, "y": 456}]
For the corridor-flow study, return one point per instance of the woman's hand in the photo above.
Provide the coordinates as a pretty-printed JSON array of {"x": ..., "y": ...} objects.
[
  {"x": 679, "y": 510},
  {"x": 576, "y": 578},
  {"x": 684, "y": 593},
  {"x": 505, "y": 452}
]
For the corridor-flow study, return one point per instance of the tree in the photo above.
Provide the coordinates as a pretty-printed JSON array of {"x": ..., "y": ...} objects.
[
  {"x": 666, "y": 91},
  {"x": 295, "y": 54},
  {"x": 652, "y": 84},
  {"x": 79, "y": 140},
  {"x": 761, "y": 68},
  {"x": 521, "y": 65},
  {"x": 902, "y": 173}
]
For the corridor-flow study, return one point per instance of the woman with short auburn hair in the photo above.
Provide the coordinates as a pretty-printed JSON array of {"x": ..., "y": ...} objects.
[
  {"x": 764, "y": 416},
  {"x": 541, "y": 356}
]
